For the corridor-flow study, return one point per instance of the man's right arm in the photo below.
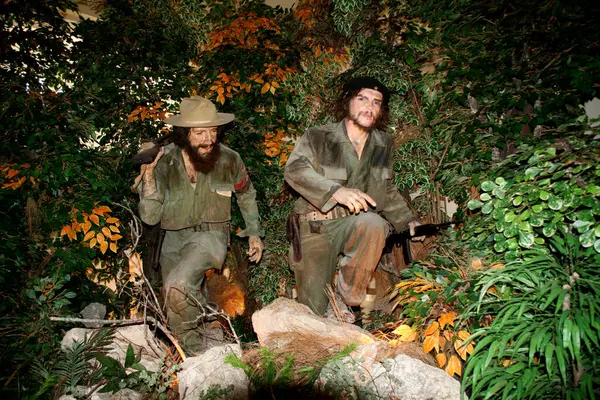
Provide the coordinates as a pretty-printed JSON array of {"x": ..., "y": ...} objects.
[
  {"x": 300, "y": 173},
  {"x": 151, "y": 192}
]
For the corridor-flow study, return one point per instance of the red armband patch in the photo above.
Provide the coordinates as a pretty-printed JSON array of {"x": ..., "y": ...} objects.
[{"x": 243, "y": 183}]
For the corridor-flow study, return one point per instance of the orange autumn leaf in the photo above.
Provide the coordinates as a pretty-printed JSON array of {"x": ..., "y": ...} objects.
[
  {"x": 447, "y": 319},
  {"x": 441, "y": 359},
  {"x": 12, "y": 173},
  {"x": 460, "y": 349},
  {"x": 100, "y": 238},
  {"x": 116, "y": 237},
  {"x": 464, "y": 335},
  {"x": 431, "y": 342},
  {"x": 94, "y": 218},
  {"x": 112, "y": 220},
  {"x": 88, "y": 236},
  {"x": 470, "y": 348},
  {"x": 103, "y": 247},
  {"x": 265, "y": 88},
  {"x": 476, "y": 264},
  {"x": 86, "y": 226},
  {"x": 114, "y": 228},
  {"x": 275, "y": 84},
  {"x": 113, "y": 246},
  {"x": 454, "y": 366},
  {"x": 106, "y": 232},
  {"x": 64, "y": 231},
  {"x": 433, "y": 328},
  {"x": 442, "y": 341},
  {"x": 100, "y": 210},
  {"x": 93, "y": 242}
]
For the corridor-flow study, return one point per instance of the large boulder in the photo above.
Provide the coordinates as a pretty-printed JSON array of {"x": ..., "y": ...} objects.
[
  {"x": 209, "y": 375},
  {"x": 140, "y": 337},
  {"x": 287, "y": 325},
  {"x": 399, "y": 378}
]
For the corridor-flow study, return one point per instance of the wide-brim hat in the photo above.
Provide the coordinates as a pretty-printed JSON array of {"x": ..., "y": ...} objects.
[
  {"x": 198, "y": 112},
  {"x": 367, "y": 82}
]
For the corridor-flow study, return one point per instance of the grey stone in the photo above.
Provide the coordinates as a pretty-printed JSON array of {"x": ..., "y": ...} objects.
[
  {"x": 93, "y": 311},
  {"x": 209, "y": 371}
]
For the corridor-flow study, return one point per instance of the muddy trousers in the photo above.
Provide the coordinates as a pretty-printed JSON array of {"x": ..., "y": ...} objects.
[
  {"x": 353, "y": 243},
  {"x": 185, "y": 258}
]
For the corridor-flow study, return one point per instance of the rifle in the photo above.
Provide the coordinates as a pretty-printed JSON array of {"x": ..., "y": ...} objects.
[
  {"x": 148, "y": 155},
  {"x": 397, "y": 239}
]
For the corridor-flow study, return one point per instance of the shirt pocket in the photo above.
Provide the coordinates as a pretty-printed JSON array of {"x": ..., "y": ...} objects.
[
  {"x": 219, "y": 207},
  {"x": 379, "y": 181},
  {"x": 337, "y": 174}
]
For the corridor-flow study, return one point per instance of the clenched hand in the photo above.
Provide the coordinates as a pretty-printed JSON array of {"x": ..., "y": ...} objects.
[{"x": 354, "y": 199}]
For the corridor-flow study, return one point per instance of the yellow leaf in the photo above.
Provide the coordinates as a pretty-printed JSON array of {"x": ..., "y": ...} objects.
[
  {"x": 464, "y": 335},
  {"x": 114, "y": 228},
  {"x": 442, "y": 341},
  {"x": 497, "y": 266},
  {"x": 441, "y": 359},
  {"x": 265, "y": 88},
  {"x": 275, "y": 84},
  {"x": 430, "y": 343},
  {"x": 72, "y": 235},
  {"x": 116, "y": 237},
  {"x": 272, "y": 89},
  {"x": 402, "y": 330},
  {"x": 476, "y": 264},
  {"x": 89, "y": 235},
  {"x": 94, "y": 218},
  {"x": 100, "y": 238},
  {"x": 409, "y": 337},
  {"x": 103, "y": 247},
  {"x": 460, "y": 350},
  {"x": 447, "y": 319},
  {"x": 106, "y": 231},
  {"x": 454, "y": 365},
  {"x": 93, "y": 242},
  {"x": 86, "y": 226},
  {"x": 433, "y": 328},
  {"x": 469, "y": 348},
  {"x": 113, "y": 246},
  {"x": 112, "y": 220}
]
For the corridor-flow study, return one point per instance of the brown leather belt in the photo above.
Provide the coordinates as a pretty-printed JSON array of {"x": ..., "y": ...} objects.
[
  {"x": 335, "y": 213},
  {"x": 208, "y": 226}
]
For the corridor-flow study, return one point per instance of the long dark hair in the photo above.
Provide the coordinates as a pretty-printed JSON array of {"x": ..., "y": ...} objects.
[
  {"x": 180, "y": 136},
  {"x": 342, "y": 109}
]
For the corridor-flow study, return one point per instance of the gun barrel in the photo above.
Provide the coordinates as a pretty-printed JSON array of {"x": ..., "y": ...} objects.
[{"x": 146, "y": 156}]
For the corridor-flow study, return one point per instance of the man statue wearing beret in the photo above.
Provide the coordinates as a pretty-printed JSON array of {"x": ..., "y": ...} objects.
[
  {"x": 343, "y": 173},
  {"x": 188, "y": 190}
]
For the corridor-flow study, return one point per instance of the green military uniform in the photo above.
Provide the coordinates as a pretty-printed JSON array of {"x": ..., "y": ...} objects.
[
  {"x": 196, "y": 219},
  {"x": 323, "y": 161}
]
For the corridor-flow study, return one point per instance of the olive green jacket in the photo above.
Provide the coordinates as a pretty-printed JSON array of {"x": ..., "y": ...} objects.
[
  {"x": 324, "y": 160},
  {"x": 176, "y": 204}
]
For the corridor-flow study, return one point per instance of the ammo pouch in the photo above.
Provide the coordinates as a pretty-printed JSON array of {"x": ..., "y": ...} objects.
[{"x": 293, "y": 234}]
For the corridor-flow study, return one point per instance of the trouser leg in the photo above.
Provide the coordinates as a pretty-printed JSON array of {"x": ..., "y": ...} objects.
[
  {"x": 361, "y": 239},
  {"x": 186, "y": 258},
  {"x": 315, "y": 270}
]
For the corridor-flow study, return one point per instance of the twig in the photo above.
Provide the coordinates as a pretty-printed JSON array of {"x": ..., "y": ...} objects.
[{"x": 134, "y": 321}]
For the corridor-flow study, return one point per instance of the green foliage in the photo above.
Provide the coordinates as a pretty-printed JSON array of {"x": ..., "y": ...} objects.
[
  {"x": 544, "y": 336},
  {"x": 539, "y": 192}
]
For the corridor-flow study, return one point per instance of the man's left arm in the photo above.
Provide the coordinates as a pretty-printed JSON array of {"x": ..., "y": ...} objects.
[{"x": 246, "y": 199}]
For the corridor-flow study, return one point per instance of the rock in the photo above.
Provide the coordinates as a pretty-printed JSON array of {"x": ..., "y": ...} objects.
[
  {"x": 209, "y": 373},
  {"x": 140, "y": 336},
  {"x": 399, "y": 378},
  {"x": 83, "y": 392},
  {"x": 94, "y": 311},
  {"x": 287, "y": 325}
]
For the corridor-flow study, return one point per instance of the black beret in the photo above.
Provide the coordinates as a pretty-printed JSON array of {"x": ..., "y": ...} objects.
[{"x": 366, "y": 82}]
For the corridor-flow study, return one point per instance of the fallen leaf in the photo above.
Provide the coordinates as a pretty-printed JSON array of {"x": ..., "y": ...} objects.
[{"x": 441, "y": 359}]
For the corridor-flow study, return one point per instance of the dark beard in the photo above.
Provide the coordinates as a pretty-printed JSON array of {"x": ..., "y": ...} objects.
[{"x": 203, "y": 163}]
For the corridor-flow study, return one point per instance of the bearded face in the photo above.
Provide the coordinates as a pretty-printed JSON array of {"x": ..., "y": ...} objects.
[
  {"x": 365, "y": 109},
  {"x": 203, "y": 148}
]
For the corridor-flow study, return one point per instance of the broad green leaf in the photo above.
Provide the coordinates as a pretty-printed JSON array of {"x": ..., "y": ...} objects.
[
  {"x": 555, "y": 203},
  {"x": 512, "y": 244},
  {"x": 517, "y": 201},
  {"x": 538, "y": 208},
  {"x": 525, "y": 226},
  {"x": 597, "y": 246},
  {"x": 593, "y": 189},
  {"x": 511, "y": 230},
  {"x": 548, "y": 352},
  {"x": 499, "y": 193},
  {"x": 597, "y": 231},
  {"x": 474, "y": 204},
  {"x": 581, "y": 226},
  {"x": 498, "y": 214},
  {"x": 532, "y": 171},
  {"x": 544, "y": 195},
  {"x": 536, "y": 220},
  {"x": 500, "y": 181},
  {"x": 487, "y": 208},
  {"x": 129, "y": 357},
  {"x": 510, "y": 216},
  {"x": 549, "y": 230},
  {"x": 587, "y": 239},
  {"x": 485, "y": 197},
  {"x": 488, "y": 186}
]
